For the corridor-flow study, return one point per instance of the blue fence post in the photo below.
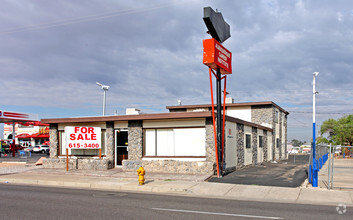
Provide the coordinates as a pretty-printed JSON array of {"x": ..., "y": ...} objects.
[{"x": 315, "y": 173}]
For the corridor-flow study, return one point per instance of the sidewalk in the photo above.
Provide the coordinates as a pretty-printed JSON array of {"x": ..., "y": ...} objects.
[
  {"x": 342, "y": 174},
  {"x": 183, "y": 185}
]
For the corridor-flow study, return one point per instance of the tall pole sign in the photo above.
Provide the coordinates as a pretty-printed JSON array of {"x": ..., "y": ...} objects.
[{"x": 218, "y": 59}]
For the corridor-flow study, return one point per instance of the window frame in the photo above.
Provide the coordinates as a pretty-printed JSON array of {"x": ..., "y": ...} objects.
[
  {"x": 248, "y": 142},
  {"x": 174, "y": 143},
  {"x": 277, "y": 142},
  {"x": 261, "y": 141}
]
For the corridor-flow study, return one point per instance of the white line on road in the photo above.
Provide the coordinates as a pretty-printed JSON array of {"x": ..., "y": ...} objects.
[{"x": 216, "y": 213}]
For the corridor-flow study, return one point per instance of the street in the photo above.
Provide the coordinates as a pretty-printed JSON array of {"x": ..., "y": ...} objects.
[{"x": 29, "y": 202}]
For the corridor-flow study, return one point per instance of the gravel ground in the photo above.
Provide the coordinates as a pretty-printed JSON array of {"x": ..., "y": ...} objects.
[{"x": 16, "y": 167}]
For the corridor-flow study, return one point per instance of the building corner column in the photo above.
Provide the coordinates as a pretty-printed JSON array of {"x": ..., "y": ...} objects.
[
  {"x": 54, "y": 140},
  {"x": 109, "y": 144}
]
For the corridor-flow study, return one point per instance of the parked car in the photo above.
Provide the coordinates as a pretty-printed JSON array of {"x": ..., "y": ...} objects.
[
  {"x": 29, "y": 149},
  {"x": 6, "y": 148},
  {"x": 294, "y": 151},
  {"x": 40, "y": 149}
]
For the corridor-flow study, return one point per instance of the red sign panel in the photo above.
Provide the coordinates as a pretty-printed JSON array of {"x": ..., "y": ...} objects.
[{"x": 217, "y": 56}]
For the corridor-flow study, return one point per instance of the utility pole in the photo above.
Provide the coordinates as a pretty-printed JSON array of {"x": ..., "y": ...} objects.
[
  {"x": 315, "y": 167},
  {"x": 105, "y": 89}
]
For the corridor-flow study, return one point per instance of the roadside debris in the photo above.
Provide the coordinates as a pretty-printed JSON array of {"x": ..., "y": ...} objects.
[{"x": 40, "y": 161}]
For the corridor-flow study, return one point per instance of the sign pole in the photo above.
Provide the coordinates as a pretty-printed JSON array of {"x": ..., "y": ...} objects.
[
  {"x": 215, "y": 56},
  {"x": 219, "y": 118},
  {"x": 67, "y": 159},
  {"x": 100, "y": 153}
]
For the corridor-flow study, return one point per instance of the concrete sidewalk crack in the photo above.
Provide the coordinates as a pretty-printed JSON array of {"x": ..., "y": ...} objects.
[
  {"x": 268, "y": 192},
  {"x": 229, "y": 190},
  {"x": 296, "y": 200}
]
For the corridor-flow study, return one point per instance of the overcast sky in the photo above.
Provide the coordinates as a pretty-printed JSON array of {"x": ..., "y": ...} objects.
[{"x": 150, "y": 54}]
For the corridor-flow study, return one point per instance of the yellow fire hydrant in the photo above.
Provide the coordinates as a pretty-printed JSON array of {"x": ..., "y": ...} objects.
[{"x": 141, "y": 174}]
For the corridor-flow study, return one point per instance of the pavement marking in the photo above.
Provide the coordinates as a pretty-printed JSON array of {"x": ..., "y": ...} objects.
[{"x": 216, "y": 213}]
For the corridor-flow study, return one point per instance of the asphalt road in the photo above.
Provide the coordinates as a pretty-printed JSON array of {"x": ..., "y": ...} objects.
[
  {"x": 28, "y": 202},
  {"x": 287, "y": 173}
]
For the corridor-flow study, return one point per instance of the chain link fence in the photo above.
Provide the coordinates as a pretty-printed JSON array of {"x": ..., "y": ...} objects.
[
  {"x": 342, "y": 168},
  {"x": 321, "y": 156}
]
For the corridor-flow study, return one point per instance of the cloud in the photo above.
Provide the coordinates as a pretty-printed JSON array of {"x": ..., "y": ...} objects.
[{"x": 150, "y": 53}]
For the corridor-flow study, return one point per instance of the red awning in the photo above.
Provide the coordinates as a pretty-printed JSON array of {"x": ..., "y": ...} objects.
[
  {"x": 23, "y": 136},
  {"x": 36, "y": 135}
]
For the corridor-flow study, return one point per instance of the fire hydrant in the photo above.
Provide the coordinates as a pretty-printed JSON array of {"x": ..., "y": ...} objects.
[{"x": 141, "y": 174}]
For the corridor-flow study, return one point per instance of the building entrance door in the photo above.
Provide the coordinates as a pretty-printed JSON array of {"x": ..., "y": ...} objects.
[{"x": 121, "y": 146}]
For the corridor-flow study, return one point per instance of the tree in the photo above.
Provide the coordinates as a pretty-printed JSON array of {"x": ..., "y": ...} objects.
[
  {"x": 339, "y": 131},
  {"x": 296, "y": 143}
]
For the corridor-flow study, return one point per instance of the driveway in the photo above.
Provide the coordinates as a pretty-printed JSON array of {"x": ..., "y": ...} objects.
[{"x": 288, "y": 173}]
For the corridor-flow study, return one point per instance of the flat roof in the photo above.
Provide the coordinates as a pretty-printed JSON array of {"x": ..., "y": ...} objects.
[
  {"x": 159, "y": 116},
  {"x": 251, "y": 124},
  {"x": 173, "y": 115},
  {"x": 228, "y": 105}
]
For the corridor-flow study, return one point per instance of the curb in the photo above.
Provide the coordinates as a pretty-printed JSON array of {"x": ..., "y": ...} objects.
[{"x": 203, "y": 190}]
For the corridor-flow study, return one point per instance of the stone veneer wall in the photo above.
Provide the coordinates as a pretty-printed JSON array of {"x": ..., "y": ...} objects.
[
  {"x": 210, "y": 146},
  {"x": 168, "y": 166},
  {"x": 280, "y": 134},
  {"x": 110, "y": 140},
  {"x": 265, "y": 114},
  {"x": 78, "y": 163},
  {"x": 54, "y": 140},
  {"x": 285, "y": 136},
  {"x": 273, "y": 134},
  {"x": 135, "y": 140},
  {"x": 262, "y": 114},
  {"x": 240, "y": 144},
  {"x": 265, "y": 146},
  {"x": 254, "y": 145}
]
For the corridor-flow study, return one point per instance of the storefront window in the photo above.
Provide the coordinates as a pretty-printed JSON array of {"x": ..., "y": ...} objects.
[{"x": 175, "y": 142}]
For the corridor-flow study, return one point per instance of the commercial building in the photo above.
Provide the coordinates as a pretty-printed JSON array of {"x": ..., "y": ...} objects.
[
  {"x": 181, "y": 141},
  {"x": 27, "y": 133}
]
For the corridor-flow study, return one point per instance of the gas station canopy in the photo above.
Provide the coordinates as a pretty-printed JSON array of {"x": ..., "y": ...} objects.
[{"x": 10, "y": 116}]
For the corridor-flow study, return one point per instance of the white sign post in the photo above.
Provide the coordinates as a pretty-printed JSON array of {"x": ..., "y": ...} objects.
[{"x": 78, "y": 137}]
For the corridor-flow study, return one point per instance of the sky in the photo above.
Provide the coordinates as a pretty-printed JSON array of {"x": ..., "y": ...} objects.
[{"x": 150, "y": 54}]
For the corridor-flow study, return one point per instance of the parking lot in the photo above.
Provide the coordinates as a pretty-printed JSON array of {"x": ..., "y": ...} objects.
[
  {"x": 29, "y": 158},
  {"x": 287, "y": 173}
]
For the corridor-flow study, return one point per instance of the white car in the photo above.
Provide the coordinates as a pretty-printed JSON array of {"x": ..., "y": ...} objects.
[
  {"x": 294, "y": 151},
  {"x": 29, "y": 149},
  {"x": 41, "y": 149}
]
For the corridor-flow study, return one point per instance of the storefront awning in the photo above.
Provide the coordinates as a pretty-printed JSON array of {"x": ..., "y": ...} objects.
[
  {"x": 40, "y": 136},
  {"x": 23, "y": 136}
]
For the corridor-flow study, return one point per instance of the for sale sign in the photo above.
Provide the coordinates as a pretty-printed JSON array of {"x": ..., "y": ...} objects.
[{"x": 83, "y": 137}]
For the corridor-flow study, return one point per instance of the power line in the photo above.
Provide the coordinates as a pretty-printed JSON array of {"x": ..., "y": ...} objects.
[
  {"x": 83, "y": 19},
  {"x": 323, "y": 113}
]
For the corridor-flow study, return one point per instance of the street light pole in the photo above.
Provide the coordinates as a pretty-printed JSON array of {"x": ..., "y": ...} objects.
[
  {"x": 105, "y": 89},
  {"x": 315, "y": 167}
]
